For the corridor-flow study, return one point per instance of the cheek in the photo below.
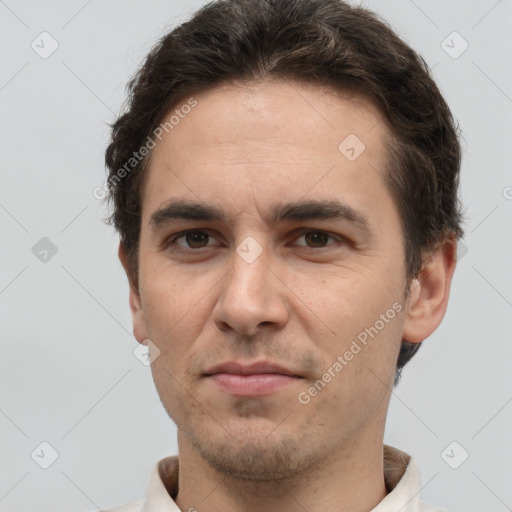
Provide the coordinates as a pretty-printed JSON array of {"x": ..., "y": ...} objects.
[
  {"x": 364, "y": 326},
  {"x": 171, "y": 387},
  {"x": 174, "y": 299},
  {"x": 344, "y": 300}
]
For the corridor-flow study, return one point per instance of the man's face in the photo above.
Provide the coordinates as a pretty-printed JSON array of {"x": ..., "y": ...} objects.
[{"x": 295, "y": 290}]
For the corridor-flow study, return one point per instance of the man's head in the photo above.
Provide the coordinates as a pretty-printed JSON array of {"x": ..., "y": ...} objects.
[{"x": 318, "y": 164}]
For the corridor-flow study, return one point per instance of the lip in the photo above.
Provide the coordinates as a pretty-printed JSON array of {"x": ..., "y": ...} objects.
[
  {"x": 256, "y": 368},
  {"x": 256, "y": 379}
]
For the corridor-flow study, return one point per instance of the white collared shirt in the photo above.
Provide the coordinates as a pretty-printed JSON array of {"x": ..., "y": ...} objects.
[{"x": 401, "y": 474}]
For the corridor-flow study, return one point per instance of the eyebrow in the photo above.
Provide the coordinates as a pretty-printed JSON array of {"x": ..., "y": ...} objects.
[{"x": 280, "y": 212}]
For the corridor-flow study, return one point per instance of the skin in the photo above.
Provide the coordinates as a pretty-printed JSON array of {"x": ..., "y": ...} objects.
[{"x": 300, "y": 303}]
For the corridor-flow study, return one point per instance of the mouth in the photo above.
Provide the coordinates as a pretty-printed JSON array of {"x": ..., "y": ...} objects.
[{"x": 256, "y": 379}]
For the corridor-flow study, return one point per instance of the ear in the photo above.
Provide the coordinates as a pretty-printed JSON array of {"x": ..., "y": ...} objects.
[
  {"x": 136, "y": 307},
  {"x": 429, "y": 292}
]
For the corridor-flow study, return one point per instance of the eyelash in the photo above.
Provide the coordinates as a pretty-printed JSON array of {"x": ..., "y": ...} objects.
[{"x": 171, "y": 241}]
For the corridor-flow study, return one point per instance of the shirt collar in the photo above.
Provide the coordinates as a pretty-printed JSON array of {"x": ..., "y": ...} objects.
[{"x": 401, "y": 475}]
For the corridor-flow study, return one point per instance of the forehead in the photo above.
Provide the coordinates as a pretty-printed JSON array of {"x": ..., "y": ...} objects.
[
  {"x": 277, "y": 110},
  {"x": 268, "y": 140}
]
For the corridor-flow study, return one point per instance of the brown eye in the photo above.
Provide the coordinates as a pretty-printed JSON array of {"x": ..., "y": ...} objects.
[
  {"x": 316, "y": 239},
  {"x": 189, "y": 240},
  {"x": 196, "y": 239}
]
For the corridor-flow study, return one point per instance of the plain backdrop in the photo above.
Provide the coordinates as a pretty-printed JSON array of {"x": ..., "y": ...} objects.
[{"x": 68, "y": 374}]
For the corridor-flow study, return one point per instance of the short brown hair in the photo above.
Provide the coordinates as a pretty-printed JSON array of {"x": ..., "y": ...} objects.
[{"x": 324, "y": 41}]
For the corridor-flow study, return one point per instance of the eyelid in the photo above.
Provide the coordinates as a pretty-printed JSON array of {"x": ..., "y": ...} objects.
[
  {"x": 305, "y": 231},
  {"x": 171, "y": 240}
]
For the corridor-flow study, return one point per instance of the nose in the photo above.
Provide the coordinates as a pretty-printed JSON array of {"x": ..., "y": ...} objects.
[{"x": 252, "y": 298}]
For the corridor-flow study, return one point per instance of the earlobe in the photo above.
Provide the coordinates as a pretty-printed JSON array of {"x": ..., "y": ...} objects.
[
  {"x": 429, "y": 292},
  {"x": 135, "y": 300}
]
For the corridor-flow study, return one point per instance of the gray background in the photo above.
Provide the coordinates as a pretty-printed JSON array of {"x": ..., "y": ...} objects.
[{"x": 68, "y": 375}]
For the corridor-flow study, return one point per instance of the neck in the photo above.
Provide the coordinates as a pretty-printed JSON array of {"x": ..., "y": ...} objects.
[{"x": 350, "y": 480}]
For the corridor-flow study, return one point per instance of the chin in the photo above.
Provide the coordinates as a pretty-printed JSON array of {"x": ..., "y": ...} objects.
[{"x": 257, "y": 456}]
